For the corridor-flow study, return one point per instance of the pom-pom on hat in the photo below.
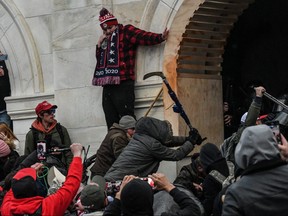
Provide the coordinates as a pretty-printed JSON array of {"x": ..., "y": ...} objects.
[
  {"x": 107, "y": 19},
  {"x": 4, "y": 149}
]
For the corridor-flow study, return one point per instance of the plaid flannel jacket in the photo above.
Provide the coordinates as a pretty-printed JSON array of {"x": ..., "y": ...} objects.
[{"x": 130, "y": 38}]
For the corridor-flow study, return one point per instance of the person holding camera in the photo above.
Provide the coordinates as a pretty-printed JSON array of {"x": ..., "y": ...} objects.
[
  {"x": 136, "y": 197},
  {"x": 149, "y": 146},
  {"x": 46, "y": 130},
  {"x": 24, "y": 199}
]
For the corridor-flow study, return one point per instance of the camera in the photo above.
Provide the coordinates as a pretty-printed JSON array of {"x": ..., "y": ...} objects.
[
  {"x": 113, "y": 187},
  {"x": 41, "y": 150},
  {"x": 149, "y": 181}
]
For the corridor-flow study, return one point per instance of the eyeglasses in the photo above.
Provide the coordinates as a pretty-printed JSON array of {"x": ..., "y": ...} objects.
[{"x": 49, "y": 112}]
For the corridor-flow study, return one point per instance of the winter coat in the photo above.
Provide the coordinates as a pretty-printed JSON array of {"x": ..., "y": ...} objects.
[
  {"x": 52, "y": 136},
  {"x": 181, "y": 204},
  {"x": 7, "y": 164},
  {"x": 179, "y": 201},
  {"x": 262, "y": 189},
  {"x": 110, "y": 149},
  {"x": 147, "y": 149},
  {"x": 188, "y": 175},
  {"x": 211, "y": 159},
  {"x": 5, "y": 89},
  {"x": 55, "y": 204}
]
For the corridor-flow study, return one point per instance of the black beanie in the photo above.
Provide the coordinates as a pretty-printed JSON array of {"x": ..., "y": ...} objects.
[
  {"x": 137, "y": 198},
  {"x": 209, "y": 153}
]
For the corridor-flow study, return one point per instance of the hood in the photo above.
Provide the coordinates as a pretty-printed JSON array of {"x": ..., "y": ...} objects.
[
  {"x": 257, "y": 143},
  {"x": 158, "y": 129},
  {"x": 20, "y": 206},
  {"x": 38, "y": 126},
  {"x": 209, "y": 154},
  {"x": 137, "y": 198}
]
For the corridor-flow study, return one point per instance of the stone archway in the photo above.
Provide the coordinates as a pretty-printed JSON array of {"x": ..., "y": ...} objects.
[
  {"x": 24, "y": 64},
  {"x": 194, "y": 69}
]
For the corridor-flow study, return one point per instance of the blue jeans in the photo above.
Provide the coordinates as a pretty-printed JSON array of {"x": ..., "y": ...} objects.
[{"x": 4, "y": 117}]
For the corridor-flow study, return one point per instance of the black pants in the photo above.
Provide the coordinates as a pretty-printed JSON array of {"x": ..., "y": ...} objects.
[{"x": 117, "y": 101}]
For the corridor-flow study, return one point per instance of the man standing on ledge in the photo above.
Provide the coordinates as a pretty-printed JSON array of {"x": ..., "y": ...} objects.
[{"x": 115, "y": 55}]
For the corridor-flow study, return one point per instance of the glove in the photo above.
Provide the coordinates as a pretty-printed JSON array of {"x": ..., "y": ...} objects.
[{"x": 194, "y": 137}]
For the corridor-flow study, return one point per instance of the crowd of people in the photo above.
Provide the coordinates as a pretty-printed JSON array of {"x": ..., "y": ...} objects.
[
  {"x": 235, "y": 179},
  {"x": 245, "y": 176}
]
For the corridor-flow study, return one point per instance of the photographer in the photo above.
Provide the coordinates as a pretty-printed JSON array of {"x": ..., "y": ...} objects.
[
  {"x": 46, "y": 128},
  {"x": 136, "y": 197},
  {"x": 23, "y": 197}
]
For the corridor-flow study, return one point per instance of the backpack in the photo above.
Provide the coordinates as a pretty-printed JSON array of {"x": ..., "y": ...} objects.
[{"x": 224, "y": 181}]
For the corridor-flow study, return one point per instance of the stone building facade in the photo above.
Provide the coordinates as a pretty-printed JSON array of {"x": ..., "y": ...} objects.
[{"x": 51, "y": 48}]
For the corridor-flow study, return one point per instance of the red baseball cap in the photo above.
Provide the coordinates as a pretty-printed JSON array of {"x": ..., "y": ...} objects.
[{"x": 43, "y": 106}]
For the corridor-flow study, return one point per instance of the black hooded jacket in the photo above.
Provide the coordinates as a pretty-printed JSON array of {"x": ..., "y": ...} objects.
[
  {"x": 4, "y": 86},
  {"x": 147, "y": 149},
  {"x": 211, "y": 159}
]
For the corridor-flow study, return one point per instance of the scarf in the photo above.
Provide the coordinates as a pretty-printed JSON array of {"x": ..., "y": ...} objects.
[{"x": 107, "y": 68}]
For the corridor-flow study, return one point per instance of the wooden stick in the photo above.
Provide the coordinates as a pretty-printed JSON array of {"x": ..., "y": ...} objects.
[{"x": 154, "y": 101}]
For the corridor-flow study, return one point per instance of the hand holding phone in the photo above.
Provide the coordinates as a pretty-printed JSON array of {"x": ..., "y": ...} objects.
[{"x": 41, "y": 150}]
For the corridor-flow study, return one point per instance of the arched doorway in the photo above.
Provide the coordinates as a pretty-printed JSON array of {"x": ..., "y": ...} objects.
[
  {"x": 238, "y": 42},
  {"x": 256, "y": 53},
  {"x": 198, "y": 71}
]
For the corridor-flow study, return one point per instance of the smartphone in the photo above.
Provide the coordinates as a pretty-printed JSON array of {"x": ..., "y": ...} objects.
[
  {"x": 41, "y": 150},
  {"x": 3, "y": 57},
  {"x": 274, "y": 125}
]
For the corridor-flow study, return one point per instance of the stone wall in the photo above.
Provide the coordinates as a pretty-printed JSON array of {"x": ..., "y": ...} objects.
[{"x": 51, "y": 48}]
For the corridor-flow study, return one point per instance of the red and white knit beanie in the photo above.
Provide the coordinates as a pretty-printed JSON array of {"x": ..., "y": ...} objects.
[
  {"x": 4, "y": 149},
  {"x": 107, "y": 19}
]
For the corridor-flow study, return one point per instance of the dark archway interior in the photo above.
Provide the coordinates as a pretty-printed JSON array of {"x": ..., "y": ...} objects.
[{"x": 257, "y": 53}]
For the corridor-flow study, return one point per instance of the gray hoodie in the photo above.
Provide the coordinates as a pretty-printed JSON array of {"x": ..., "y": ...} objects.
[
  {"x": 262, "y": 189},
  {"x": 147, "y": 149},
  {"x": 256, "y": 144}
]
